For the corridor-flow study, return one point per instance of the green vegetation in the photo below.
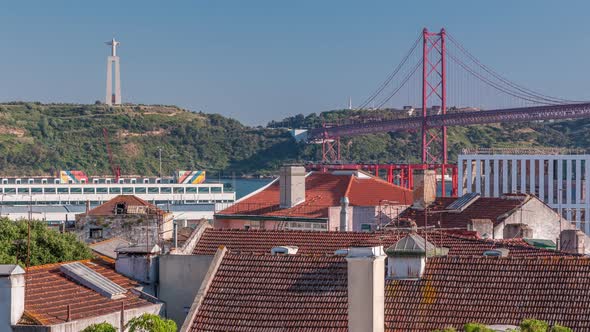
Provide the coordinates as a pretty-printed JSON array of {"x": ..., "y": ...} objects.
[
  {"x": 102, "y": 327},
  {"x": 476, "y": 327},
  {"x": 527, "y": 325},
  {"x": 37, "y": 139},
  {"x": 150, "y": 323},
  {"x": 47, "y": 245}
]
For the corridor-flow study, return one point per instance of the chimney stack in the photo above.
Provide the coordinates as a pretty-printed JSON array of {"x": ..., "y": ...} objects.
[
  {"x": 366, "y": 289},
  {"x": 344, "y": 214},
  {"x": 572, "y": 241},
  {"x": 12, "y": 295},
  {"x": 292, "y": 185},
  {"x": 424, "y": 188}
]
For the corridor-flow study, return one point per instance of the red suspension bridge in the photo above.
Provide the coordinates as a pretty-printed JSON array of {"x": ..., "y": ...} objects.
[{"x": 473, "y": 83}]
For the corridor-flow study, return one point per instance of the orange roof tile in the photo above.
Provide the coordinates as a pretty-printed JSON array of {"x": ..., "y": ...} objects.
[
  {"x": 108, "y": 208},
  {"x": 48, "y": 292},
  {"x": 323, "y": 190}
]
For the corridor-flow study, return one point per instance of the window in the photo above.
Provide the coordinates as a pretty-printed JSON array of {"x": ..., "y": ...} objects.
[
  {"x": 158, "y": 180},
  {"x": 36, "y": 190},
  {"x": 203, "y": 189},
  {"x": 120, "y": 208},
  {"x": 95, "y": 181},
  {"x": 23, "y": 190},
  {"x": 165, "y": 190},
  {"x": 17, "y": 181},
  {"x": 9, "y": 190},
  {"x": 146, "y": 180},
  {"x": 121, "y": 181},
  {"x": 215, "y": 189},
  {"x": 62, "y": 190},
  {"x": 31, "y": 181},
  {"x": 127, "y": 190},
  {"x": 43, "y": 181},
  {"x": 179, "y": 190},
  {"x": 140, "y": 190},
  {"x": 115, "y": 190},
  {"x": 96, "y": 233},
  {"x": 75, "y": 190},
  {"x": 83, "y": 181},
  {"x": 107, "y": 181},
  {"x": 153, "y": 190},
  {"x": 191, "y": 190},
  {"x": 133, "y": 181},
  {"x": 102, "y": 190},
  {"x": 56, "y": 181},
  {"x": 89, "y": 190},
  {"x": 49, "y": 190},
  {"x": 366, "y": 227},
  {"x": 4, "y": 181}
]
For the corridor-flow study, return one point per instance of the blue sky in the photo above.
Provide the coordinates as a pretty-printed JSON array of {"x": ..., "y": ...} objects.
[{"x": 262, "y": 60}]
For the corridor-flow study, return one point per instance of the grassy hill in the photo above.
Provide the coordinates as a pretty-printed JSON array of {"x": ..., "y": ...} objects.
[{"x": 37, "y": 139}]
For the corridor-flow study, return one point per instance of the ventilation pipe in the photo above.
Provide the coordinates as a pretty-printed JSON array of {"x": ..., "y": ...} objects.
[{"x": 344, "y": 214}]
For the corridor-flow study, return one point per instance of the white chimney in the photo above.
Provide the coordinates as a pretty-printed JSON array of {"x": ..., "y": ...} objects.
[
  {"x": 572, "y": 241},
  {"x": 344, "y": 214},
  {"x": 366, "y": 289},
  {"x": 424, "y": 191},
  {"x": 292, "y": 185},
  {"x": 12, "y": 295}
]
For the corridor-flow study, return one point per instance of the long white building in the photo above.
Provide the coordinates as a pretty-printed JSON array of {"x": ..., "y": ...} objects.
[{"x": 558, "y": 180}]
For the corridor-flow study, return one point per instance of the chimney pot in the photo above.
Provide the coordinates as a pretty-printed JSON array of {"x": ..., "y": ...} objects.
[
  {"x": 572, "y": 241},
  {"x": 12, "y": 295},
  {"x": 344, "y": 214},
  {"x": 424, "y": 191},
  {"x": 292, "y": 185},
  {"x": 366, "y": 289}
]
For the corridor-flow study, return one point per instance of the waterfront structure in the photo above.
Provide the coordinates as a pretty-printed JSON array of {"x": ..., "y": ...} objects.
[
  {"x": 338, "y": 200},
  {"x": 57, "y": 200},
  {"x": 113, "y": 60},
  {"x": 559, "y": 180}
]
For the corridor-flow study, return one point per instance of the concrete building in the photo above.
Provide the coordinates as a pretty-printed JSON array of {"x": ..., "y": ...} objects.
[
  {"x": 127, "y": 217},
  {"x": 113, "y": 98},
  {"x": 350, "y": 289},
  {"x": 336, "y": 200},
  {"x": 69, "y": 296},
  {"x": 558, "y": 180}
]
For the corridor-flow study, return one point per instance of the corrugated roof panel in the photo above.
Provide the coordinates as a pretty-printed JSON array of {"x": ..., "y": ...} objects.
[{"x": 93, "y": 280}]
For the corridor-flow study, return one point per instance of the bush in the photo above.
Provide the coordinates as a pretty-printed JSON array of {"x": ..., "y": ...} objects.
[
  {"x": 476, "y": 327},
  {"x": 446, "y": 329},
  {"x": 559, "y": 328},
  {"x": 150, "y": 323},
  {"x": 534, "y": 325},
  {"x": 102, "y": 327}
]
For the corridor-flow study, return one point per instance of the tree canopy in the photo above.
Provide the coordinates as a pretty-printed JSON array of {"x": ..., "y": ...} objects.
[
  {"x": 47, "y": 245},
  {"x": 150, "y": 323}
]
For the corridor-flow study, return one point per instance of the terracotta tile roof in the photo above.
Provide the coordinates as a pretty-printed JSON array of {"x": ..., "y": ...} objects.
[
  {"x": 309, "y": 293},
  {"x": 108, "y": 208},
  {"x": 268, "y": 293},
  {"x": 315, "y": 242},
  {"x": 457, "y": 290},
  {"x": 49, "y": 292},
  {"x": 322, "y": 191},
  {"x": 494, "y": 208}
]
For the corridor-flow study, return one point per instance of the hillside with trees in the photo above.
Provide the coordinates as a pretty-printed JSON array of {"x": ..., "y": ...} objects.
[{"x": 41, "y": 139}]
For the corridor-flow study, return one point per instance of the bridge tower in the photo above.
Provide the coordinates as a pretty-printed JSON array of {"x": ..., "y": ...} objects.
[{"x": 434, "y": 95}]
